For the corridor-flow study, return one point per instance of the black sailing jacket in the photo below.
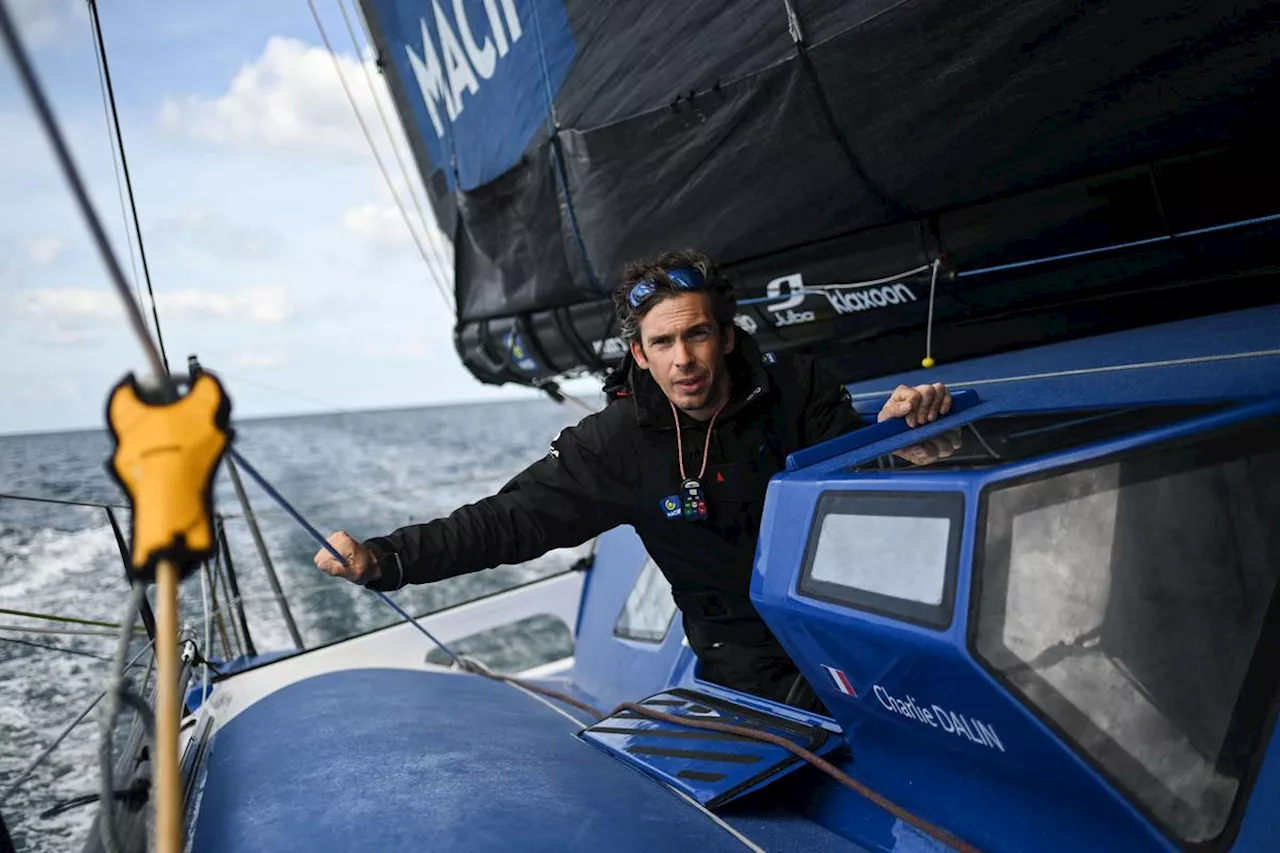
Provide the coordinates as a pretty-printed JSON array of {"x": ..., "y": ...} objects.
[{"x": 619, "y": 465}]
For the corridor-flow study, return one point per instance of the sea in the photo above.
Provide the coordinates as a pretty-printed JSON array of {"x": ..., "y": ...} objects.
[{"x": 365, "y": 472}]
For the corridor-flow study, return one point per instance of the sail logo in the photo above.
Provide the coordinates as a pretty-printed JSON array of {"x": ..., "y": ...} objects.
[
  {"x": 484, "y": 71},
  {"x": 792, "y": 318},
  {"x": 444, "y": 77},
  {"x": 787, "y": 294},
  {"x": 852, "y": 301}
]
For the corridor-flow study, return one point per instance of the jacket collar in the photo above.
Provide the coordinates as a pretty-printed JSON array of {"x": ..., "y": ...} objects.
[{"x": 749, "y": 382}]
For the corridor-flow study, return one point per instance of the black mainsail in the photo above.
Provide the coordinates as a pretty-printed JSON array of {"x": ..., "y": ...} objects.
[{"x": 1071, "y": 165}]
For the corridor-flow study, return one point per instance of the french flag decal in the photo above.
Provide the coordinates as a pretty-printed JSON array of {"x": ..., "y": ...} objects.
[{"x": 841, "y": 680}]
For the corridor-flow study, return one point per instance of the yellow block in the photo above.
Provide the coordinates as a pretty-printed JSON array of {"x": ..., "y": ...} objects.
[{"x": 165, "y": 458}]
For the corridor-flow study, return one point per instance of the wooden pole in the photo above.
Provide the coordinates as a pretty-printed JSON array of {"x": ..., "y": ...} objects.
[{"x": 168, "y": 785}]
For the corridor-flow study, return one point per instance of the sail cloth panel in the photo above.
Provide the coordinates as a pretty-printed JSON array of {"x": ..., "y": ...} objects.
[{"x": 559, "y": 139}]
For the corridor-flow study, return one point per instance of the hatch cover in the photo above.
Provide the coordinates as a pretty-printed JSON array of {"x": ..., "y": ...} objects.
[{"x": 712, "y": 767}]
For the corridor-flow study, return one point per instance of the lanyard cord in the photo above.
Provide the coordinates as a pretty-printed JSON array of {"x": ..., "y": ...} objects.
[{"x": 706, "y": 447}]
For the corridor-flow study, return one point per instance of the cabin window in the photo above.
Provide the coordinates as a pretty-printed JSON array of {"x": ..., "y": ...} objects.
[
  {"x": 649, "y": 608},
  {"x": 1132, "y": 603},
  {"x": 886, "y": 552},
  {"x": 513, "y": 647},
  {"x": 1001, "y": 439}
]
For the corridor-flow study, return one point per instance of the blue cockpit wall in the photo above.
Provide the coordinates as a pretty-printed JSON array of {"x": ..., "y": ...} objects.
[{"x": 927, "y": 725}]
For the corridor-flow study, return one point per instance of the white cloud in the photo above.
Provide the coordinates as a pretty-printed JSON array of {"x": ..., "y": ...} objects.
[
  {"x": 217, "y": 236},
  {"x": 381, "y": 225},
  {"x": 42, "y": 21},
  {"x": 263, "y": 305},
  {"x": 45, "y": 250},
  {"x": 70, "y": 302},
  {"x": 64, "y": 338},
  {"x": 288, "y": 98}
]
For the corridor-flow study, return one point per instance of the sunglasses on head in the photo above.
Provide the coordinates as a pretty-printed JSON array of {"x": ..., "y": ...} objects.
[{"x": 684, "y": 278}]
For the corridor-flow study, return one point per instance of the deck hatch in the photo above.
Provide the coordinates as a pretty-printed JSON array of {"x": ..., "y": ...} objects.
[{"x": 712, "y": 767}]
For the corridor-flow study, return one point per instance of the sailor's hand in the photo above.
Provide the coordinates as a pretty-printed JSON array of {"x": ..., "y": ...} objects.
[
  {"x": 932, "y": 449},
  {"x": 360, "y": 566},
  {"x": 919, "y": 405}
]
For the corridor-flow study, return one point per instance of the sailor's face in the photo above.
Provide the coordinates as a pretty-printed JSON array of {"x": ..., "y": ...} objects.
[{"x": 683, "y": 348}]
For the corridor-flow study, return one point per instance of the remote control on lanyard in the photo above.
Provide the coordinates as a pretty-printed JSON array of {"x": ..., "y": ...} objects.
[{"x": 693, "y": 502}]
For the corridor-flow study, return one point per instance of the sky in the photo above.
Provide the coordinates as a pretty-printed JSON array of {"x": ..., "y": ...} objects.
[{"x": 275, "y": 248}]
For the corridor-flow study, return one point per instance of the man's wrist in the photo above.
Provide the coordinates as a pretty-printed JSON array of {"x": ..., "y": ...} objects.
[{"x": 389, "y": 566}]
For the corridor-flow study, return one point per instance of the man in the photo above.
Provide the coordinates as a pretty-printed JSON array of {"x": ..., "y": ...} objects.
[{"x": 697, "y": 423}]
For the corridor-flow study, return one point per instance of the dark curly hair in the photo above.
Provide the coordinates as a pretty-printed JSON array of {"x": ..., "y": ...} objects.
[{"x": 723, "y": 303}]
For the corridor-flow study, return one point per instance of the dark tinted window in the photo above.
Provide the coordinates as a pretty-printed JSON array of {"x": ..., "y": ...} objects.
[
  {"x": 1133, "y": 604},
  {"x": 1011, "y": 438},
  {"x": 647, "y": 613},
  {"x": 514, "y": 647}
]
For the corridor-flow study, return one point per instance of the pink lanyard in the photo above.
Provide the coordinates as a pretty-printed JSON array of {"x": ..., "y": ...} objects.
[{"x": 706, "y": 447}]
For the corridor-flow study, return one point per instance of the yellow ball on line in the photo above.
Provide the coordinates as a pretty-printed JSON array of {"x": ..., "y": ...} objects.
[{"x": 928, "y": 362}]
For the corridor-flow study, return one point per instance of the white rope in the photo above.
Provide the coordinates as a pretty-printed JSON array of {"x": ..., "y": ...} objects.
[
  {"x": 873, "y": 283},
  {"x": 1085, "y": 371},
  {"x": 427, "y": 230},
  {"x": 386, "y": 176},
  {"x": 115, "y": 165},
  {"x": 928, "y": 329},
  {"x": 208, "y": 637}
]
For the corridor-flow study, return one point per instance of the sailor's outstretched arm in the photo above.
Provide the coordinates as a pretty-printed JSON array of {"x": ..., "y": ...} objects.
[{"x": 577, "y": 491}]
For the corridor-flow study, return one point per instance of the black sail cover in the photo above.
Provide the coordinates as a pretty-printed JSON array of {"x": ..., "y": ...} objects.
[{"x": 1063, "y": 166}]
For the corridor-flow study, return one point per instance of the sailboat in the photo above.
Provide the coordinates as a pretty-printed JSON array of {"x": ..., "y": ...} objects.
[{"x": 1046, "y": 622}]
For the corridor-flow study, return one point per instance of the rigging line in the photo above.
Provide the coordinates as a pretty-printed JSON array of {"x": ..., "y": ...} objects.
[
  {"x": 1085, "y": 371},
  {"x": 52, "y": 648},
  {"x": 557, "y": 155},
  {"x": 55, "y": 617},
  {"x": 928, "y": 340},
  {"x": 60, "y": 501},
  {"x": 114, "y": 692},
  {"x": 870, "y": 283},
  {"x": 1115, "y": 247},
  {"x": 332, "y": 408},
  {"x": 208, "y": 635},
  {"x": 822, "y": 764},
  {"x": 128, "y": 182},
  {"x": 386, "y": 176},
  {"x": 72, "y": 175},
  {"x": 324, "y": 543},
  {"x": 115, "y": 167},
  {"x": 852, "y": 285},
  {"x": 395, "y": 148},
  {"x": 69, "y": 632},
  {"x": 39, "y": 759}
]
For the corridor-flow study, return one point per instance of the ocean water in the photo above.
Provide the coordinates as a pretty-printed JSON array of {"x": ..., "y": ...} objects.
[{"x": 367, "y": 473}]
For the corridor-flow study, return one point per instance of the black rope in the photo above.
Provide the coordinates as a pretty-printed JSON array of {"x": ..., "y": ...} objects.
[
  {"x": 829, "y": 115},
  {"x": 128, "y": 183},
  {"x": 136, "y": 794},
  {"x": 148, "y": 617}
]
